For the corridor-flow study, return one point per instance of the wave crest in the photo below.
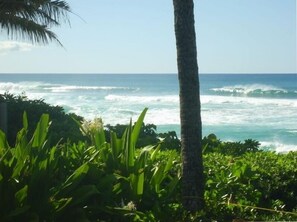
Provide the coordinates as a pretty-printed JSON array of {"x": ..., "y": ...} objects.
[
  {"x": 55, "y": 88},
  {"x": 254, "y": 90}
]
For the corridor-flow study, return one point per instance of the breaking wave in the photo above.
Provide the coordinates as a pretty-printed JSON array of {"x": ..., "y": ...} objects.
[
  {"x": 255, "y": 90},
  {"x": 54, "y": 88}
]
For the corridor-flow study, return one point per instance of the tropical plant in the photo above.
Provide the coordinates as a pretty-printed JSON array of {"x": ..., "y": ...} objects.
[
  {"x": 254, "y": 186},
  {"x": 212, "y": 144},
  {"x": 27, "y": 175},
  {"x": 191, "y": 127},
  {"x": 32, "y": 19},
  {"x": 101, "y": 180},
  {"x": 142, "y": 181},
  {"x": 148, "y": 135},
  {"x": 62, "y": 128}
]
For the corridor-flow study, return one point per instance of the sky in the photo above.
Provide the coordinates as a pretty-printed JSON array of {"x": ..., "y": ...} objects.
[{"x": 137, "y": 36}]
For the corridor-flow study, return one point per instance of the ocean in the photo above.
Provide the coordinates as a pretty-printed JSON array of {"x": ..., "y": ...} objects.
[{"x": 235, "y": 107}]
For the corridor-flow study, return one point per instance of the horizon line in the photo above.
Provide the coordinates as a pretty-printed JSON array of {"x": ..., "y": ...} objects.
[{"x": 146, "y": 73}]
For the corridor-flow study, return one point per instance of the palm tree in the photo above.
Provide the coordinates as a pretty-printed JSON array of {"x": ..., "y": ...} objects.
[
  {"x": 191, "y": 127},
  {"x": 32, "y": 19}
]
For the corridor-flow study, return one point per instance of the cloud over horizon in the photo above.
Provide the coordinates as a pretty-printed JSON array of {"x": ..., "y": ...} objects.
[{"x": 13, "y": 46}]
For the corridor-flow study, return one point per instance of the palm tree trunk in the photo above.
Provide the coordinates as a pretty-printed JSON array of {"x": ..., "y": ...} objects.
[{"x": 191, "y": 127}]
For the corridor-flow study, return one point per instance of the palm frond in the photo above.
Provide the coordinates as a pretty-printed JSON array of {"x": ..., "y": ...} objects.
[
  {"x": 31, "y": 19},
  {"x": 20, "y": 28}
]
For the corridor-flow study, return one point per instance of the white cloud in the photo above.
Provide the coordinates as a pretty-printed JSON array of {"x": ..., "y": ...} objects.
[{"x": 12, "y": 46}]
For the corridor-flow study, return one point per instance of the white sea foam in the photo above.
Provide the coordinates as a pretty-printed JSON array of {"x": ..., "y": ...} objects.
[
  {"x": 245, "y": 89},
  {"x": 163, "y": 116},
  {"x": 278, "y": 146},
  {"x": 143, "y": 99},
  {"x": 46, "y": 87},
  {"x": 18, "y": 88},
  {"x": 67, "y": 88},
  {"x": 293, "y": 131},
  {"x": 216, "y": 110},
  {"x": 116, "y": 104},
  {"x": 247, "y": 100}
]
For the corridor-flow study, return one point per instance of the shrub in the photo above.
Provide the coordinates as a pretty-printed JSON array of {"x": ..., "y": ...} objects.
[
  {"x": 62, "y": 126},
  {"x": 75, "y": 182},
  {"x": 254, "y": 186},
  {"x": 212, "y": 144}
]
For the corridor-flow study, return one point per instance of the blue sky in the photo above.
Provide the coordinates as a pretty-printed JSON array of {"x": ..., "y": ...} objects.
[{"x": 137, "y": 36}]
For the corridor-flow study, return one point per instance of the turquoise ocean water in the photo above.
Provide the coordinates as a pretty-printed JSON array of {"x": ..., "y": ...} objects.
[{"x": 234, "y": 107}]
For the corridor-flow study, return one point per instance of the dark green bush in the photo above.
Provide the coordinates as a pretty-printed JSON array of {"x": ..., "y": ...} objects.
[
  {"x": 212, "y": 144},
  {"x": 62, "y": 127},
  {"x": 148, "y": 135}
]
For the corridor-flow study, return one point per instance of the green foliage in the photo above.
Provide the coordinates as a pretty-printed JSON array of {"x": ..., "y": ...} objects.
[
  {"x": 31, "y": 20},
  {"x": 141, "y": 178},
  {"x": 106, "y": 181},
  {"x": 254, "y": 186},
  {"x": 148, "y": 135},
  {"x": 170, "y": 140},
  {"x": 212, "y": 144},
  {"x": 108, "y": 177},
  {"x": 62, "y": 127},
  {"x": 27, "y": 175}
]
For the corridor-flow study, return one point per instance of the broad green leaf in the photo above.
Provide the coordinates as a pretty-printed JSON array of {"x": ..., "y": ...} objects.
[
  {"x": 99, "y": 138},
  {"x": 61, "y": 203},
  {"x": 169, "y": 163},
  {"x": 25, "y": 121},
  {"x": 77, "y": 176},
  {"x": 102, "y": 137},
  {"x": 140, "y": 183},
  {"x": 21, "y": 143},
  {"x": 21, "y": 195},
  {"x": 116, "y": 145},
  {"x": 3, "y": 142},
  {"x": 173, "y": 183},
  {"x": 52, "y": 154},
  {"x": 155, "y": 152},
  {"x": 18, "y": 168},
  {"x": 137, "y": 126},
  {"x": 158, "y": 177},
  {"x": 129, "y": 148},
  {"x": 82, "y": 170},
  {"x": 40, "y": 133},
  {"x": 142, "y": 159},
  {"x": 80, "y": 126}
]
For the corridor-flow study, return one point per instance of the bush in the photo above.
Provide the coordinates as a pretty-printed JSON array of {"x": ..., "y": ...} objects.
[
  {"x": 212, "y": 144},
  {"x": 148, "y": 135},
  {"x": 111, "y": 180},
  {"x": 76, "y": 182},
  {"x": 254, "y": 186},
  {"x": 62, "y": 126}
]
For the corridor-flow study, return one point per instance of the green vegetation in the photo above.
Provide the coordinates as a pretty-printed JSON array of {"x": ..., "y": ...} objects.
[
  {"x": 62, "y": 125},
  {"x": 96, "y": 181},
  {"x": 108, "y": 176},
  {"x": 32, "y": 19}
]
